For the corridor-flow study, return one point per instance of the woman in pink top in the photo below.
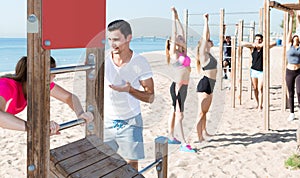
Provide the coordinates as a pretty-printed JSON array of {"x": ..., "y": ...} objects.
[
  {"x": 176, "y": 49},
  {"x": 13, "y": 99}
]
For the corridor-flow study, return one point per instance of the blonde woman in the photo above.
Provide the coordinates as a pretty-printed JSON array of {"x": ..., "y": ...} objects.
[
  {"x": 206, "y": 85},
  {"x": 176, "y": 50}
]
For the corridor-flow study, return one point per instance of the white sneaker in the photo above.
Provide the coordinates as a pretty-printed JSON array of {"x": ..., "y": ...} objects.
[{"x": 291, "y": 117}]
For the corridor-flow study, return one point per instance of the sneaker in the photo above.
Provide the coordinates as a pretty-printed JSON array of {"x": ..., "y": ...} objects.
[
  {"x": 186, "y": 148},
  {"x": 174, "y": 141},
  {"x": 291, "y": 117}
]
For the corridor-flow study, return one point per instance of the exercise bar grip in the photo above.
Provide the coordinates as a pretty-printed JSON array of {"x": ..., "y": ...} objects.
[{"x": 71, "y": 123}]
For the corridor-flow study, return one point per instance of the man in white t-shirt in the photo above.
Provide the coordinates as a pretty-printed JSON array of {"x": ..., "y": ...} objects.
[{"x": 128, "y": 80}]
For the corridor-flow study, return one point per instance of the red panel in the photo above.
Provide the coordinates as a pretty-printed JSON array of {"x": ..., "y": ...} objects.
[{"x": 73, "y": 23}]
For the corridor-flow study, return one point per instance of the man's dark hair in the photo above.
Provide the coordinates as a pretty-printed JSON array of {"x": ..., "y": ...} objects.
[
  {"x": 259, "y": 35},
  {"x": 121, "y": 25}
]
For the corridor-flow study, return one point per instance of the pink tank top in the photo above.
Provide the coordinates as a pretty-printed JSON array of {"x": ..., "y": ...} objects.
[
  {"x": 12, "y": 92},
  {"x": 184, "y": 60}
]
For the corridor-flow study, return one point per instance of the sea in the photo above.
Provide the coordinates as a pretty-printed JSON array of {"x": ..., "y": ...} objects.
[{"x": 12, "y": 49}]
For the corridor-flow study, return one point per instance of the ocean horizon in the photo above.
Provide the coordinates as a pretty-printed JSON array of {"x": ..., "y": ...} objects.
[{"x": 12, "y": 49}]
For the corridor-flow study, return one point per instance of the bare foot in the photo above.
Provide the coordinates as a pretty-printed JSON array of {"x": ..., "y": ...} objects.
[
  {"x": 208, "y": 135},
  {"x": 259, "y": 108}
]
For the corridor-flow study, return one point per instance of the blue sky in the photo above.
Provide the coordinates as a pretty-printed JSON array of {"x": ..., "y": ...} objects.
[{"x": 13, "y": 12}]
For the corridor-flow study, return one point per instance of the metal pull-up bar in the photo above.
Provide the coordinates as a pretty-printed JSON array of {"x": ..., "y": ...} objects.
[
  {"x": 59, "y": 70},
  {"x": 71, "y": 123}
]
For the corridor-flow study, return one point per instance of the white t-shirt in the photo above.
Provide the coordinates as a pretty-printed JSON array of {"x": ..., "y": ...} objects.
[{"x": 122, "y": 105}]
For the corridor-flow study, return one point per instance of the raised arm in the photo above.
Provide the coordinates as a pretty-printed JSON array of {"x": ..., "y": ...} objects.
[
  {"x": 174, "y": 30},
  {"x": 289, "y": 35},
  {"x": 205, "y": 38},
  {"x": 247, "y": 44}
]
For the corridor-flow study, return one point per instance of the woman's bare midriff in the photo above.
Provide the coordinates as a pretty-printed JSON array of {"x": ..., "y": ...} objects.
[{"x": 293, "y": 66}]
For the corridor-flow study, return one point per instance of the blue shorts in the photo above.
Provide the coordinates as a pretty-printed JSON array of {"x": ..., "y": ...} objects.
[
  {"x": 256, "y": 73},
  {"x": 125, "y": 136}
]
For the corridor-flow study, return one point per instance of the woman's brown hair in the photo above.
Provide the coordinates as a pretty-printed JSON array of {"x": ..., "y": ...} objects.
[
  {"x": 168, "y": 57},
  {"x": 21, "y": 70}
]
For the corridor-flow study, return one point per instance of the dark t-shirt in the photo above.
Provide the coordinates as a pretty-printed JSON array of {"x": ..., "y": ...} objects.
[
  {"x": 257, "y": 59},
  {"x": 227, "y": 49}
]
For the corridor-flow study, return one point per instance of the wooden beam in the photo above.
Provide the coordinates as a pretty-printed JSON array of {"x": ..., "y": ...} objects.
[
  {"x": 278, "y": 6},
  {"x": 221, "y": 40},
  {"x": 266, "y": 65},
  {"x": 240, "y": 61},
  {"x": 38, "y": 97},
  {"x": 284, "y": 62},
  {"x": 233, "y": 71},
  {"x": 95, "y": 90}
]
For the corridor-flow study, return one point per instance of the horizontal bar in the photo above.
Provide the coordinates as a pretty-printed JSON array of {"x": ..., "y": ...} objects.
[
  {"x": 226, "y": 13},
  {"x": 59, "y": 70},
  {"x": 279, "y": 6},
  {"x": 71, "y": 123},
  {"x": 150, "y": 166}
]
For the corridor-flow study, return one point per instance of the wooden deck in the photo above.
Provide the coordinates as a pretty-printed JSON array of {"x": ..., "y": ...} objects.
[{"x": 89, "y": 157}]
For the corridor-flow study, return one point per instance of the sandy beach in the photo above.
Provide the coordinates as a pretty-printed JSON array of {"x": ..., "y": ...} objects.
[{"x": 240, "y": 147}]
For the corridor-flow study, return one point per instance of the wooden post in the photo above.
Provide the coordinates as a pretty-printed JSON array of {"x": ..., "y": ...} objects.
[
  {"x": 186, "y": 26},
  {"x": 38, "y": 96},
  {"x": 161, "y": 151},
  {"x": 260, "y": 23},
  {"x": 266, "y": 66},
  {"x": 240, "y": 61},
  {"x": 95, "y": 90},
  {"x": 251, "y": 39},
  {"x": 298, "y": 138},
  {"x": 233, "y": 71},
  {"x": 221, "y": 39},
  {"x": 284, "y": 62}
]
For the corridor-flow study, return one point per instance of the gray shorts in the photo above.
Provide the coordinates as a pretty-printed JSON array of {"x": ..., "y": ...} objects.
[{"x": 125, "y": 136}]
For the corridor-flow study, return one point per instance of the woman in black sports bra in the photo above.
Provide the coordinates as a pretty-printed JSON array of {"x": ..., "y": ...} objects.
[{"x": 206, "y": 85}]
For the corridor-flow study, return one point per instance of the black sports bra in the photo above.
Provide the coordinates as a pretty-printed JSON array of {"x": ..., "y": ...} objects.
[{"x": 212, "y": 63}]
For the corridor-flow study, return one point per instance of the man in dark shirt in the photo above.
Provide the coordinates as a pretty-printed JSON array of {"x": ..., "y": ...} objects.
[{"x": 227, "y": 55}]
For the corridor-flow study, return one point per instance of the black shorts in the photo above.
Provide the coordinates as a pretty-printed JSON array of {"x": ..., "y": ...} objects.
[
  {"x": 206, "y": 85},
  {"x": 180, "y": 97},
  {"x": 227, "y": 60}
]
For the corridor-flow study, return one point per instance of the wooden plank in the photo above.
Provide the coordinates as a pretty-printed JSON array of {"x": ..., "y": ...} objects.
[
  {"x": 95, "y": 90},
  {"x": 124, "y": 171},
  {"x": 54, "y": 173},
  {"x": 69, "y": 150},
  {"x": 38, "y": 95},
  {"x": 85, "y": 159},
  {"x": 101, "y": 168}
]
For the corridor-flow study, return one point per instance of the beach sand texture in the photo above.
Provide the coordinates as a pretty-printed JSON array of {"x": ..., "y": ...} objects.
[{"x": 240, "y": 148}]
